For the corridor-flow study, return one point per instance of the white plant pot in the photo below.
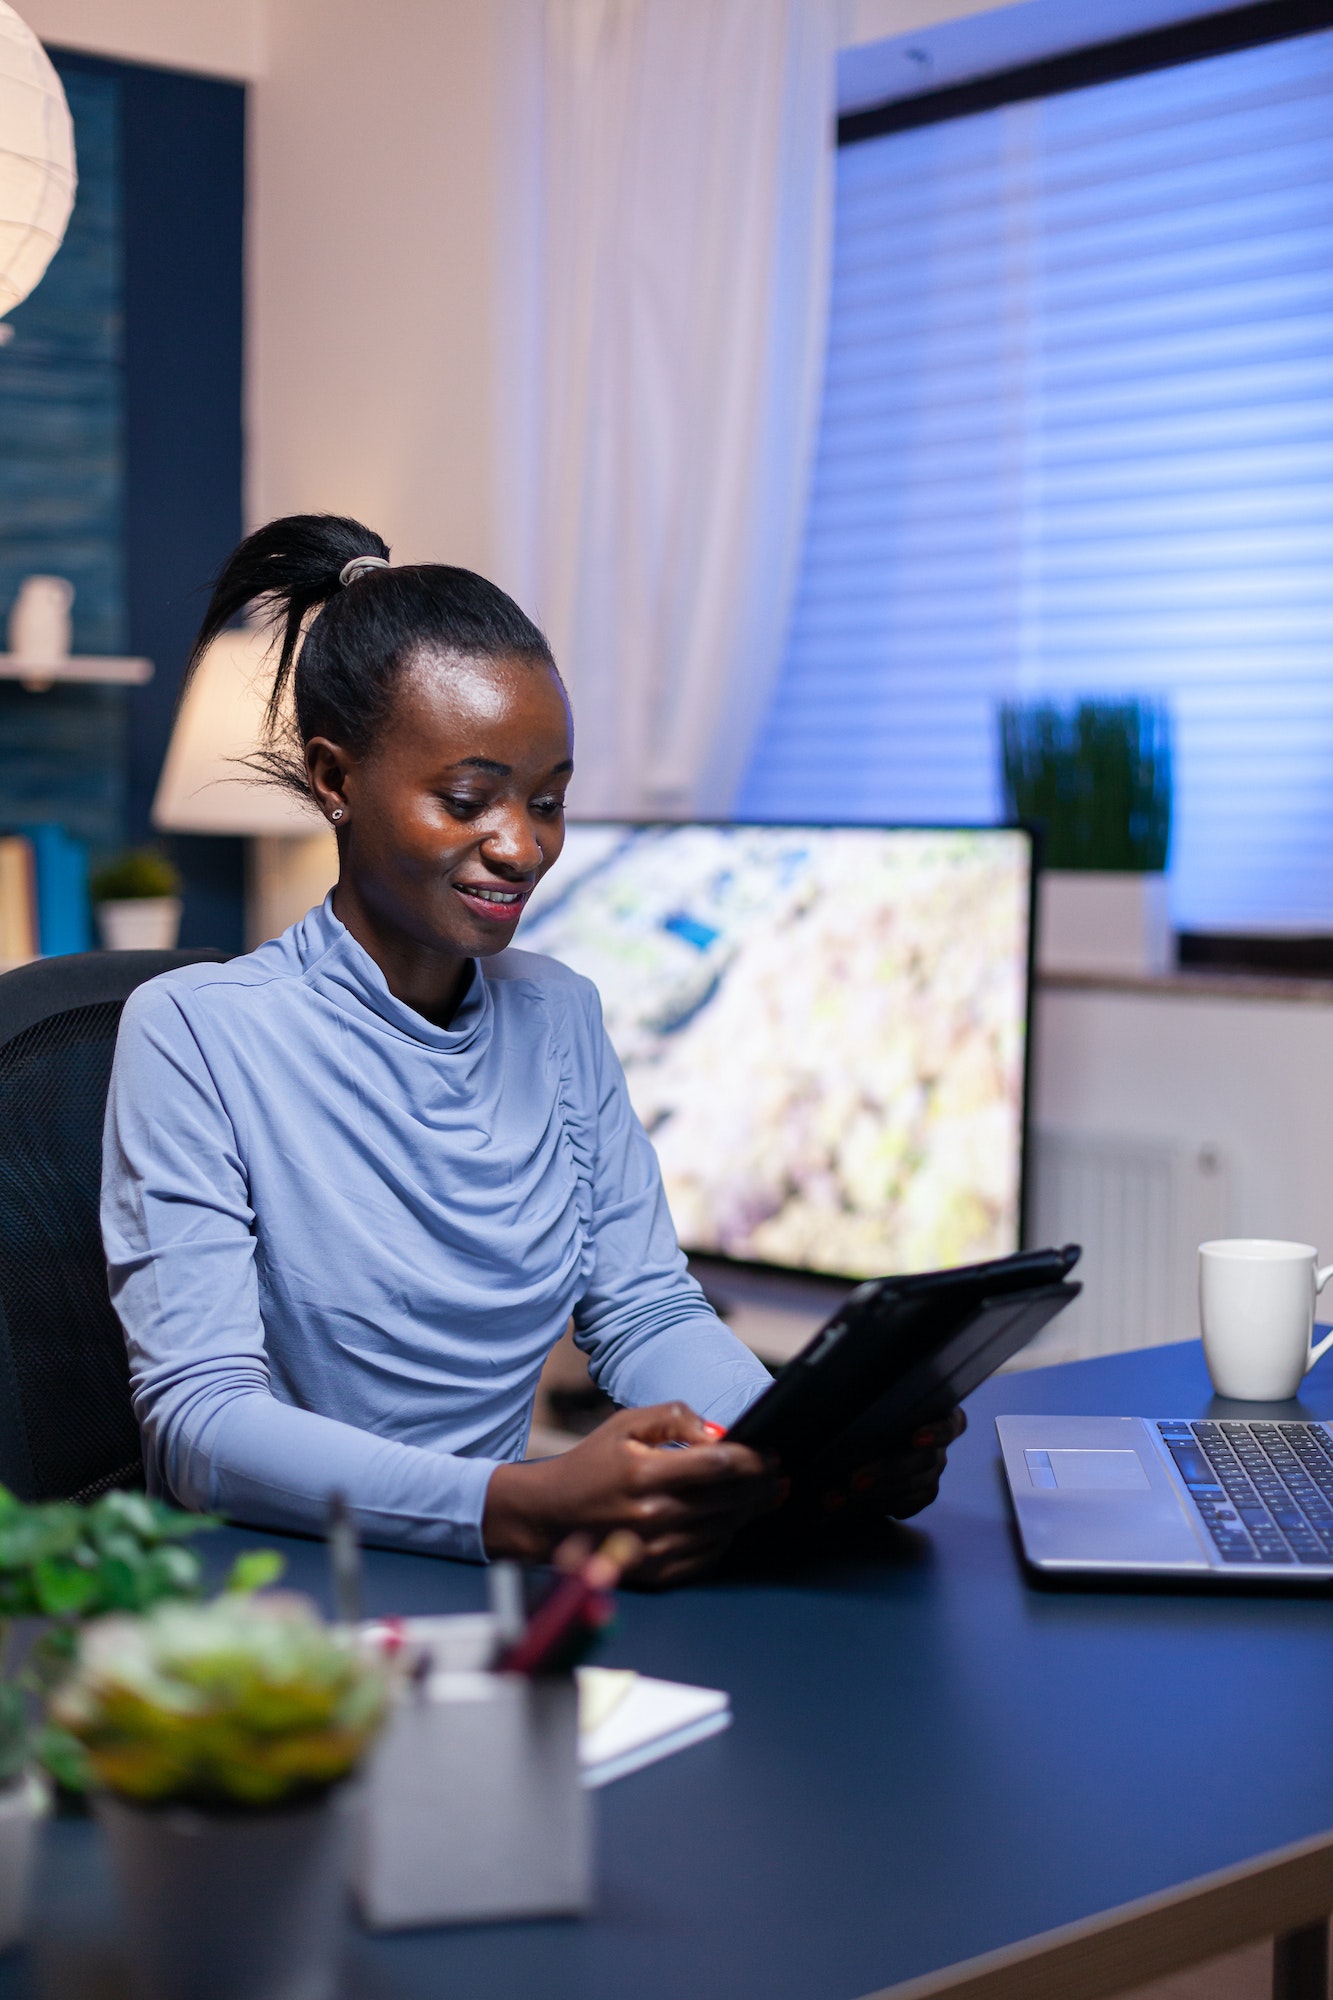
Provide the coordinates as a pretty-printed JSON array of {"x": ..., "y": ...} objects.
[
  {"x": 140, "y": 923},
  {"x": 230, "y": 1906},
  {"x": 1110, "y": 924},
  {"x": 23, "y": 1806}
]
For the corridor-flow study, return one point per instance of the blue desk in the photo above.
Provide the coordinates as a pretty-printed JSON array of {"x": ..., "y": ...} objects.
[{"x": 940, "y": 1779}]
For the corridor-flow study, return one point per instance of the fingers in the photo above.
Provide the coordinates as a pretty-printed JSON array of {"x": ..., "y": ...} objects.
[
  {"x": 662, "y": 1423},
  {"x": 708, "y": 1462},
  {"x": 653, "y": 1514},
  {"x": 673, "y": 1558},
  {"x": 904, "y": 1482},
  {"x": 942, "y": 1431}
]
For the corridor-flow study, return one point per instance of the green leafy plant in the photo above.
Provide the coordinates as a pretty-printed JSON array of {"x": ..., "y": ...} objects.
[
  {"x": 247, "y": 1701},
  {"x": 63, "y": 1563},
  {"x": 1096, "y": 776},
  {"x": 142, "y": 872},
  {"x": 120, "y": 1553}
]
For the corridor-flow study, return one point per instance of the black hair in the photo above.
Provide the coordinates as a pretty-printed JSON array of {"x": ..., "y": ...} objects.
[{"x": 362, "y": 633}]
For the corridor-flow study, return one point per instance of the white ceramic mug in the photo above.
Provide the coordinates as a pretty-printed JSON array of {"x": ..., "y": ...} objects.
[{"x": 1256, "y": 1312}]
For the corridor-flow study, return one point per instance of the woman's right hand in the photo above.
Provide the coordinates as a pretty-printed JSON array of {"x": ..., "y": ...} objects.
[{"x": 684, "y": 1506}]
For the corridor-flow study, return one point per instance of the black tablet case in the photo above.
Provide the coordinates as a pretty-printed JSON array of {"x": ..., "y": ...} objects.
[{"x": 899, "y": 1352}]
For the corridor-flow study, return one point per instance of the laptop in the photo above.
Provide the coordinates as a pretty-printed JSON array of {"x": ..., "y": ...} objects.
[{"x": 1237, "y": 1500}]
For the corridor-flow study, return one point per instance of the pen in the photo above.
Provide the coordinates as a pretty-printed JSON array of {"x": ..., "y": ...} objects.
[
  {"x": 504, "y": 1594},
  {"x": 574, "y": 1611},
  {"x": 344, "y": 1560}
]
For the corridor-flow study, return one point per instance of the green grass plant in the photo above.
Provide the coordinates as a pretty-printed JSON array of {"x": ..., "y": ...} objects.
[
  {"x": 142, "y": 872},
  {"x": 1095, "y": 776}
]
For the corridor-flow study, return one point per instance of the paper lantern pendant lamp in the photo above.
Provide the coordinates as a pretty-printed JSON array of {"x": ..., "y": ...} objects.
[{"x": 37, "y": 177}]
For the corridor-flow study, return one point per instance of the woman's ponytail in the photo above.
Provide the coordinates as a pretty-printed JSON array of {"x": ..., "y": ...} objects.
[
  {"x": 287, "y": 570},
  {"x": 345, "y": 641}
]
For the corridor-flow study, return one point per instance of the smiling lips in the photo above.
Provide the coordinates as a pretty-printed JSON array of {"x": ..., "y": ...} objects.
[{"x": 492, "y": 901}]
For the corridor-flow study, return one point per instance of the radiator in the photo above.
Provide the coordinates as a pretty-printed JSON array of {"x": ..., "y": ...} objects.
[{"x": 1140, "y": 1208}]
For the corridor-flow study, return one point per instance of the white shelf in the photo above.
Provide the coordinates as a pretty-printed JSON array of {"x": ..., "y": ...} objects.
[{"x": 38, "y": 675}]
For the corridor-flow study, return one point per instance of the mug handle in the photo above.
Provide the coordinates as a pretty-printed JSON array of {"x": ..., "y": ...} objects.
[{"x": 1321, "y": 1278}]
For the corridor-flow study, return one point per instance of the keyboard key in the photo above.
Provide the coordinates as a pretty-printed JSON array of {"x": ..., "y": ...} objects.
[
  {"x": 1264, "y": 1491},
  {"x": 1194, "y": 1467}
]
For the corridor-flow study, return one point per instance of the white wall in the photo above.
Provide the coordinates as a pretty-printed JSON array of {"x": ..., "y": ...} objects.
[
  {"x": 1249, "y": 1076},
  {"x": 380, "y": 268},
  {"x": 373, "y": 233},
  {"x": 221, "y": 37}
]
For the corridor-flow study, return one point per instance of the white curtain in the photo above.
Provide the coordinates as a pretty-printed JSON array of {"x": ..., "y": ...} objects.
[{"x": 662, "y": 385}]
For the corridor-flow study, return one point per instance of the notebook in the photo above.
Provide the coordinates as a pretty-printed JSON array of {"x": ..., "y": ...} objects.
[{"x": 629, "y": 1720}]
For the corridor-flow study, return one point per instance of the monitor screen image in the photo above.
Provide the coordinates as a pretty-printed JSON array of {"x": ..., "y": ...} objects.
[{"x": 823, "y": 1029}]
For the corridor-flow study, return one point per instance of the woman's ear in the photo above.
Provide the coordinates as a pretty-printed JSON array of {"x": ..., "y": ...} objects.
[{"x": 327, "y": 768}]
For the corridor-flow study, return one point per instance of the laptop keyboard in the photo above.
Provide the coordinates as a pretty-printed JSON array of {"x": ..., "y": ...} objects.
[{"x": 1265, "y": 1491}]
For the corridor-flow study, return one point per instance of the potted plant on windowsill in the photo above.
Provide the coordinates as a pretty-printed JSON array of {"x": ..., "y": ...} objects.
[
  {"x": 137, "y": 900},
  {"x": 217, "y": 1737},
  {"x": 1095, "y": 776}
]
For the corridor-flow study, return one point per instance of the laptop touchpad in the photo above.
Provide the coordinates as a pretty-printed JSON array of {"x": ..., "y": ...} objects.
[{"x": 1099, "y": 1471}]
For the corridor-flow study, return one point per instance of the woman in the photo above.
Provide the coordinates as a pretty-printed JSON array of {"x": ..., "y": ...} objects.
[{"x": 356, "y": 1183}]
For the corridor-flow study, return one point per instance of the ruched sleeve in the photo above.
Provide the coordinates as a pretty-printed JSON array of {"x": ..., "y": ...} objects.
[{"x": 180, "y": 1242}]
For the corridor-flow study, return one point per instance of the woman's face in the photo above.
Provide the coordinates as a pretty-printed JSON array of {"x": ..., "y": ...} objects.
[{"x": 457, "y": 811}]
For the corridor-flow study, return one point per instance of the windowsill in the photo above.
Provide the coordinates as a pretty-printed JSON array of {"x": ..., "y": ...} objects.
[{"x": 1197, "y": 984}]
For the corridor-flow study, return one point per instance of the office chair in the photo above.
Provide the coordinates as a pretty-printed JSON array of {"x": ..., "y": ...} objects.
[{"x": 67, "y": 1429}]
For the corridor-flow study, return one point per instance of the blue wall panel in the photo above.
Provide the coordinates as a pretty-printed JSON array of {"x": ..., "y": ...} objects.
[
  {"x": 63, "y": 754},
  {"x": 120, "y": 451}
]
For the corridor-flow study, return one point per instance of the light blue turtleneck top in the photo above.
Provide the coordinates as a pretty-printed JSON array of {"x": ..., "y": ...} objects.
[{"x": 342, "y": 1241}]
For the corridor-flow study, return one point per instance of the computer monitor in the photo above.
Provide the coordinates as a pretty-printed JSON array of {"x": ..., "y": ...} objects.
[{"x": 824, "y": 1029}]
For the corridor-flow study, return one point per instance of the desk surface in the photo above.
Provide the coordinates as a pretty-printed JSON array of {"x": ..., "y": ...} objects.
[{"x": 930, "y": 1760}]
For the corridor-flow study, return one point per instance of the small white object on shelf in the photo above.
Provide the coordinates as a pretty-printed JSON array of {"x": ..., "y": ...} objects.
[
  {"x": 39, "y": 638},
  {"x": 1115, "y": 925},
  {"x": 39, "y": 621}
]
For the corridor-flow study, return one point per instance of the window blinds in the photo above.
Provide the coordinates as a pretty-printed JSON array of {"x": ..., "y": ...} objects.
[{"x": 1077, "y": 437}]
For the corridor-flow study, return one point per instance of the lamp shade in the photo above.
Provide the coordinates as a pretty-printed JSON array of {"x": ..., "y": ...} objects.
[
  {"x": 204, "y": 787},
  {"x": 37, "y": 177}
]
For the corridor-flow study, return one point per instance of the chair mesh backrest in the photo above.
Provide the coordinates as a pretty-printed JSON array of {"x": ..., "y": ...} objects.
[
  {"x": 63, "y": 1335},
  {"x": 67, "y": 1428}
]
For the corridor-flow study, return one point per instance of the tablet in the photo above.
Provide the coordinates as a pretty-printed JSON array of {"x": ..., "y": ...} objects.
[{"x": 897, "y": 1353}]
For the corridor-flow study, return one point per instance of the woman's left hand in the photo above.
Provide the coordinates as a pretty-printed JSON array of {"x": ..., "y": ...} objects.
[{"x": 903, "y": 1482}]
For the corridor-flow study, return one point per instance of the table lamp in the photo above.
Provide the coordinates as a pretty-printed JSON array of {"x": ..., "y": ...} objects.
[{"x": 206, "y": 788}]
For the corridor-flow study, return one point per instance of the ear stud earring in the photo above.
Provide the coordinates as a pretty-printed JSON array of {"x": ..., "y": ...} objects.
[{"x": 336, "y": 814}]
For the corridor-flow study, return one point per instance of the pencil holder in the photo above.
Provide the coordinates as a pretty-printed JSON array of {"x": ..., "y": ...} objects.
[{"x": 471, "y": 1804}]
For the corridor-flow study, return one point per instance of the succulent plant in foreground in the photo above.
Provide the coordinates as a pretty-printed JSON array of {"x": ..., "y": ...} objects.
[{"x": 246, "y": 1701}]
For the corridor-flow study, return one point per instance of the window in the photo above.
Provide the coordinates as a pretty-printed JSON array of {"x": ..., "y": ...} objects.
[{"x": 1077, "y": 437}]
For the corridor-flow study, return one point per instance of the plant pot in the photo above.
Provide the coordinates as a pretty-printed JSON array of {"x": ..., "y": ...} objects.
[
  {"x": 23, "y": 1805},
  {"x": 230, "y": 1906},
  {"x": 1109, "y": 924},
  {"x": 140, "y": 923}
]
